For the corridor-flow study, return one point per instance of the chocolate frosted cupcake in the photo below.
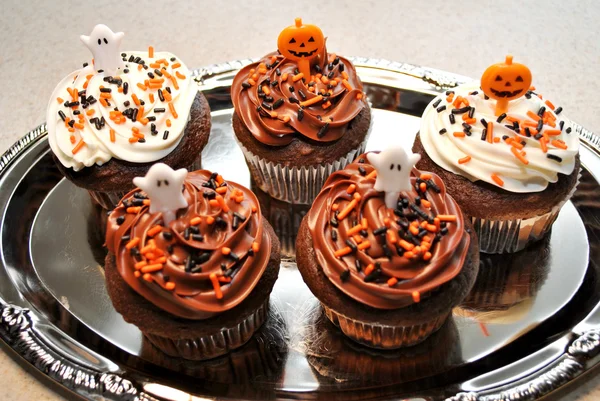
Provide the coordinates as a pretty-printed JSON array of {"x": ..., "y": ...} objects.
[
  {"x": 110, "y": 120},
  {"x": 510, "y": 162},
  {"x": 300, "y": 115},
  {"x": 193, "y": 269},
  {"x": 388, "y": 267}
]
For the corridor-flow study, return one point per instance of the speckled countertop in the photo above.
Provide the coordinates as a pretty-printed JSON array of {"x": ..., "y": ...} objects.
[{"x": 39, "y": 42}]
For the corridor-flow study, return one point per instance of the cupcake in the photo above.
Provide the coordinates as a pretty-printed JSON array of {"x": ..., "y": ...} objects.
[
  {"x": 300, "y": 114},
  {"x": 507, "y": 155},
  {"x": 387, "y": 251},
  {"x": 191, "y": 268},
  {"x": 112, "y": 119}
]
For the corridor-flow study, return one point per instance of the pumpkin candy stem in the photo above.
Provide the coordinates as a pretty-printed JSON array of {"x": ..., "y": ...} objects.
[{"x": 302, "y": 43}]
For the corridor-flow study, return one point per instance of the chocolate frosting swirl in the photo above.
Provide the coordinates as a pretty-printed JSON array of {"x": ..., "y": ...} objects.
[
  {"x": 371, "y": 254},
  {"x": 268, "y": 97},
  {"x": 206, "y": 261}
]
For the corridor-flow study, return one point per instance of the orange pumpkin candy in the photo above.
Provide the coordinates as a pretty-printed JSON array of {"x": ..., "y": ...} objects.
[
  {"x": 301, "y": 43},
  {"x": 504, "y": 82}
]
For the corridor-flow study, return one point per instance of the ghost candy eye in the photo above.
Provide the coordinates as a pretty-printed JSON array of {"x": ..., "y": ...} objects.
[
  {"x": 158, "y": 183},
  {"x": 392, "y": 166},
  {"x": 105, "y": 41},
  {"x": 399, "y": 167},
  {"x": 99, "y": 42},
  {"x": 166, "y": 182}
]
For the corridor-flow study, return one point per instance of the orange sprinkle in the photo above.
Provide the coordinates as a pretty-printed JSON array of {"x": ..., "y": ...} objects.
[
  {"x": 72, "y": 139},
  {"x": 284, "y": 77},
  {"x": 359, "y": 96},
  {"x": 168, "y": 122},
  {"x": 544, "y": 144},
  {"x": 311, "y": 101},
  {"x": 162, "y": 259},
  {"x": 147, "y": 276},
  {"x": 286, "y": 119},
  {"x": 179, "y": 75},
  {"x": 372, "y": 174},
  {"x": 496, "y": 139},
  {"x": 60, "y": 100},
  {"x": 470, "y": 121},
  {"x": 364, "y": 245},
  {"x": 344, "y": 75},
  {"x": 195, "y": 221},
  {"x": 392, "y": 282},
  {"x": 558, "y": 144},
  {"x": 351, "y": 189},
  {"x": 78, "y": 147},
  {"x": 132, "y": 243},
  {"x": 515, "y": 152},
  {"x": 413, "y": 230},
  {"x": 154, "y": 230},
  {"x": 210, "y": 220},
  {"x": 222, "y": 203},
  {"x": 464, "y": 160},
  {"x": 103, "y": 102},
  {"x": 150, "y": 52},
  {"x": 173, "y": 111},
  {"x": 148, "y": 248},
  {"x": 423, "y": 187},
  {"x": 170, "y": 286},
  {"x": 325, "y": 80},
  {"x": 549, "y": 104},
  {"x": 152, "y": 268},
  {"x": 497, "y": 179},
  {"x": 347, "y": 84},
  {"x": 297, "y": 77},
  {"x": 490, "y": 132},
  {"x": 223, "y": 279},
  {"x": 406, "y": 245},
  {"x": 409, "y": 255},
  {"x": 335, "y": 207},
  {"x": 134, "y": 209},
  {"x": 266, "y": 90},
  {"x": 355, "y": 230},
  {"x": 446, "y": 217},
  {"x": 326, "y": 104},
  {"x": 430, "y": 227},
  {"x": 251, "y": 81},
  {"x": 174, "y": 81},
  {"x": 78, "y": 125},
  {"x": 459, "y": 134},
  {"x": 213, "y": 203},
  {"x": 216, "y": 285},
  {"x": 427, "y": 256},
  {"x": 426, "y": 203},
  {"x": 225, "y": 250},
  {"x": 221, "y": 190},
  {"x": 342, "y": 252},
  {"x": 139, "y": 265},
  {"x": 416, "y": 296},
  {"x": 255, "y": 247},
  {"x": 342, "y": 215},
  {"x": 369, "y": 269},
  {"x": 138, "y": 135},
  {"x": 553, "y": 132},
  {"x": 515, "y": 143},
  {"x": 140, "y": 85},
  {"x": 533, "y": 116},
  {"x": 254, "y": 209}
]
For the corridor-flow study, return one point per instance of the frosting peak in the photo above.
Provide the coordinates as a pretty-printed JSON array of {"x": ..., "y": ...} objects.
[
  {"x": 138, "y": 114},
  {"x": 206, "y": 261},
  {"x": 386, "y": 258},
  {"x": 276, "y": 102},
  {"x": 522, "y": 150}
]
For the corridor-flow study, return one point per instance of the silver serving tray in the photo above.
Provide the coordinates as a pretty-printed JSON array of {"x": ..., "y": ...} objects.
[{"x": 531, "y": 326}]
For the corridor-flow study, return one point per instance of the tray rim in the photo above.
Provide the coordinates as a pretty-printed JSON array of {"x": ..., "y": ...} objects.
[{"x": 18, "y": 324}]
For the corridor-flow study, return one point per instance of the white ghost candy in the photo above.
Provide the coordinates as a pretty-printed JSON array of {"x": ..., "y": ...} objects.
[
  {"x": 393, "y": 167},
  {"x": 163, "y": 186},
  {"x": 104, "y": 45}
]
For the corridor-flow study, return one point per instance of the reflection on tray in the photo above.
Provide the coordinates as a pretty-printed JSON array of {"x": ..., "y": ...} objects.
[
  {"x": 284, "y": 217},
  {"x": 506, "y": 283},
  {"x": 340, "y": 363}
]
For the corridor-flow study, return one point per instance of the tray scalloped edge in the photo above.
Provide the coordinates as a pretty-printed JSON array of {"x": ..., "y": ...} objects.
[{"x": 18, "y": 327}]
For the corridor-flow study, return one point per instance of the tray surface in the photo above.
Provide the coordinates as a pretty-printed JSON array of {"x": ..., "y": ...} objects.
[{"x": 530, "y": 325}]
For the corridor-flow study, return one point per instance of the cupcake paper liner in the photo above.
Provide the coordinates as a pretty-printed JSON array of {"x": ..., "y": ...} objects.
[
  {"x": 214, "y": 345},
  {"x": 110, "y": 200},
  {"x": 382, "y": 336},
  {"x": 508, "y": 236},
  {"x": 294, "y": 184}
]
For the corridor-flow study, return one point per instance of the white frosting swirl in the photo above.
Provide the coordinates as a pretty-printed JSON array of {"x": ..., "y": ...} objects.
[
  {"x": 497, "y": 157},
  {"x": 98, "y": 147}
]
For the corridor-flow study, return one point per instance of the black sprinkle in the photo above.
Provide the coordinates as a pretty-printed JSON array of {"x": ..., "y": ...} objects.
[
  {"x": 362, "y": 170},
  {"x": 277, "y": 104},
  {"x": 484, "y": 134},
  {"x": 301, "y": 93},
  {"x": 352, "y": 245},
  {"x": 538, "y": 136},
  {"x": 334, "y": 222},
  {"x": 323, "y": 131},
  {"x": 541, "y": 111},
  {"x": 120, "y": 220},
  {"x": 62, "y": 115},
  {"x": 300, "y": 114},
  {"x": 246, "y": 85},
  {"x": 540, "y": 125},
  {"x": 165, "y": 135},
  {"x": 483, "y": 122},
  {"x": 345, "y": 275},
  {"x": 380, "y": 230},
  {"x": 436, "y": 103},
  {"x": 554, "y": 157},
  {"x": 501, "y": 117},
  {"x": 558, "y": 110},
  {"x": 472, "y": 112},
  {"x": 568, "y": 130},
  {"x": 198, "y": 237},
  {"x": 461, "y": 110},
  {"x": 443, "y": 131},
  {"x": 441, "y": 108},
  {"x": 452, "y": 119}
]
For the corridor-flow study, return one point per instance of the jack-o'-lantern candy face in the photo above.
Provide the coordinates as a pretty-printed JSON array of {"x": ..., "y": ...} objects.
[
  {"x": 298, "y": 42},
  {"x": 506, "y": 81}
]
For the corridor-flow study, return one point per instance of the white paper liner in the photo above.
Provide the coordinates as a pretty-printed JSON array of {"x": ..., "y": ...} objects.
[
  {"x": 294, "y": 184},
  {"x": 382, "y": 336},
  {"x": 507, "y": 236},
  {"x": 110, "y": 200},
  {"x": 212, "y": 346}
]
